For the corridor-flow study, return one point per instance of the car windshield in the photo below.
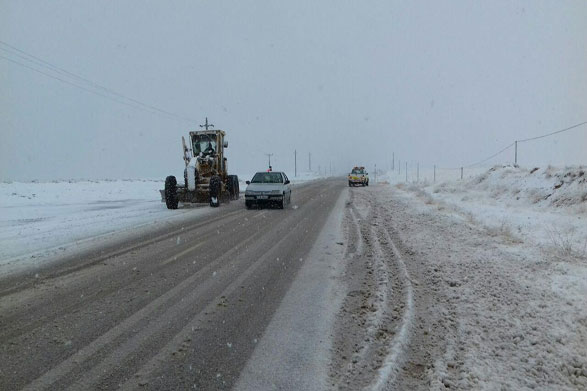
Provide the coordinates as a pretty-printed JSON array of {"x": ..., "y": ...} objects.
[
  {"x": 357, "y": 171},
  {"x": 267, "y": 177}
]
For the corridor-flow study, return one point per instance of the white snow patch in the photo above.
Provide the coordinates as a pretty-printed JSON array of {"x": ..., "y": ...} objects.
[
  {"x": 522, "y": 265},
  {"x": 40, "y": 220}
]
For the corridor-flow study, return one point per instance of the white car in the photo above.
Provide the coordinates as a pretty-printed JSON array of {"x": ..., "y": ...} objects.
[{"x": 268, "y": 188}]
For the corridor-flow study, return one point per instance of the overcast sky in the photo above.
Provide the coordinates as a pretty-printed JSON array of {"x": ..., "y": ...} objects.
[{"x": 436, "y": 82}]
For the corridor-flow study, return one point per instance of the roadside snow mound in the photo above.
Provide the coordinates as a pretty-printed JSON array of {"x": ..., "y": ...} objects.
[{"x": 543, "y": 187}]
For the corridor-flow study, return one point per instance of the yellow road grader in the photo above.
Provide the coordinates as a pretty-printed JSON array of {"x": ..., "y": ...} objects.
[{"x": 206, "y": 178}]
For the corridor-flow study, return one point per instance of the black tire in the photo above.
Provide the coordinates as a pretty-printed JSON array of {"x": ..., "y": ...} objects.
[
  {"x": 171, "y": 199},
  {"x": 233, "y": 187},
  {"x": 215, "y": 186},
  {"x": 281, "y": 203},
  {"x": 367, "y": 183},
  {"x": 350, "y": 184},
  {"x": 248, "y": 204}
]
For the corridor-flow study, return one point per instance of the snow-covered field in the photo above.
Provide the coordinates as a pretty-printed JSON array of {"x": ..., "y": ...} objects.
[
  {"x": 41, "y": 220},
  {"x": 517, "y": 273},
  {"x": 543, "y": 206}
]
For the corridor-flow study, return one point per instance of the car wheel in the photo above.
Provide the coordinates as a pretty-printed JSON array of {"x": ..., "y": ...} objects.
[
  {"x": 233, "y": 187},
  {"x": 248, "y": 204}
]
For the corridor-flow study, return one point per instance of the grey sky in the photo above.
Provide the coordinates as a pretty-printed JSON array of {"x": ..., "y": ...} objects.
[{"x": 437, "y": 82}]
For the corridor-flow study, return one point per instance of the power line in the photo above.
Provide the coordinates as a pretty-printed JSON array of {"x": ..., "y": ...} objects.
[
  {"x": 513, "y": 144},
  {"x": 479, "y": 162},
  {"x": 73, "y": 84},
  {"x": 47, "y": 65},
  {"x": 490, "y": 157},
  {"x": 550, "y": 134}
]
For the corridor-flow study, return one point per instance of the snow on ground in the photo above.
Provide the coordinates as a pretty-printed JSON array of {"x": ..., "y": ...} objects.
[
  {"x": 39, "y": 220},
  {"x": 545, "y": 206},
  {"x": 521, "y": 306},
  {"x": 42, "y": 220}
]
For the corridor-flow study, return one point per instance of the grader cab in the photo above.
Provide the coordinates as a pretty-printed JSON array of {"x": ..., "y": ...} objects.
[{"x": 205, "y": 178}]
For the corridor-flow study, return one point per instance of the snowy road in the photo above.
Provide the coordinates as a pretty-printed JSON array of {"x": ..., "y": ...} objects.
[
  {"x": 376, "y": 288},
  {"x": 179, "y": 309}
]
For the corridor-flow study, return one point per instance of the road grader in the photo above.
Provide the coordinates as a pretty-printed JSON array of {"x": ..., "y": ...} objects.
[{"x": 205, "y": 176}]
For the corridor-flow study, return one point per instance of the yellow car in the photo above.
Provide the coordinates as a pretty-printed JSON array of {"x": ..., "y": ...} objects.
[{"x": 358, "y": 176}]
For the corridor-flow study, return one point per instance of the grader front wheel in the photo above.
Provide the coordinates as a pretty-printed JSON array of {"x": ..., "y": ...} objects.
[
  {"x": 215, "y": 189},
  {"x": 171, "y": 199}
]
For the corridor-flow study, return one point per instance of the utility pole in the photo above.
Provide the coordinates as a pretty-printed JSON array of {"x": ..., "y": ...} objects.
[
  {"x": 375, "y": 173},
  {"x": 309, "y": 161},
  {"x": 269, "y": 156},
  {"x": 392, "y": 161},
  {"x": 295, "y": 163},
  {"x": 435, "y": 173},
  {"x": 461, "y": 172},
  {"x": 399, "y": 167},
  {"x": 516, "y": 156},
  {"x": 406, "y": 171},
  {"x": 418, "y": 172}
]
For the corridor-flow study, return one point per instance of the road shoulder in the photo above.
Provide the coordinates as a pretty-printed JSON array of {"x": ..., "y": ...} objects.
[{"x": 294, "y": 352}]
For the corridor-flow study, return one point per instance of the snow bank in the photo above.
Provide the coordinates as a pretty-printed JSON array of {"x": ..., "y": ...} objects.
[
  {"x": 543, "y": 187},
  {"x": 544, "y": 206},
  {"x": 519, "y": 255}
]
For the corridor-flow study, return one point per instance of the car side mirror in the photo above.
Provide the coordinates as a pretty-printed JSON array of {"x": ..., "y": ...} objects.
[
  {"x": 287, "y": 182},
  {"x": 248, "y": 182}
]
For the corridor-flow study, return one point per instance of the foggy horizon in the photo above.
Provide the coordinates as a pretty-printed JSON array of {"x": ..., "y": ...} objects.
[{"x": 436, "y": 83}]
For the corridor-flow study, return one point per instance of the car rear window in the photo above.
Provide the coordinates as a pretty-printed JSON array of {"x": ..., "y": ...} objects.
[{"x": 267, "y": 177}]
